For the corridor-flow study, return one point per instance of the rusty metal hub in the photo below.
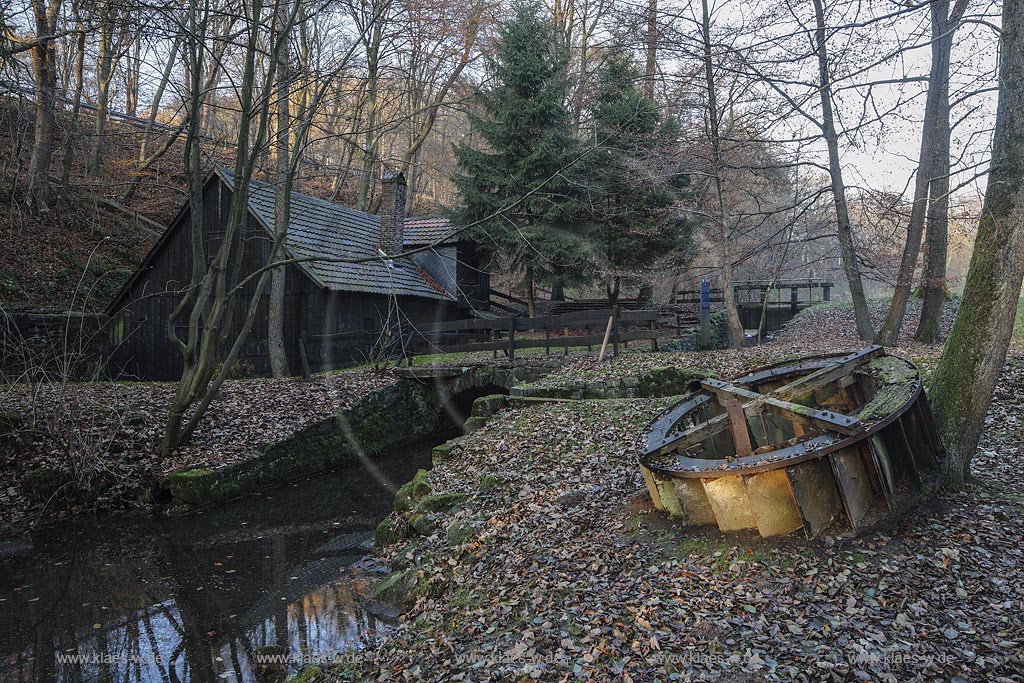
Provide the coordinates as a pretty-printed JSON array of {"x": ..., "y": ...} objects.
[{"x": 799, "y": 444}]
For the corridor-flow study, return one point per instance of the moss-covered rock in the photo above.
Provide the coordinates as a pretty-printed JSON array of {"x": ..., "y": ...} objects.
[
  {"x": 190, "y": 486},
  {"x": 423, "y": 524},
  {"x": 390, "y": 530},
  {"x": 443, "y": 453},
  {"x": 44, "y": 482},
  {"x": 665, "y": 381},
  {"x": 473, "y": 424},
  {"x": 439, "y": 502},
  {"x": 412, "y": 492},
  {"x": 397, "y": 588},
  {"x": 459, "y": 532},
  {"x": 488, "y": 406},
  {"x": 490, "y": 482},
  {"x": 310, "y": 674}
]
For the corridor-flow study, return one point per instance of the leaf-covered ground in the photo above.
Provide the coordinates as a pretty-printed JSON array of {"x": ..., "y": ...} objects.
[
  {"x": 826, "y": 328},
  {"x": 570, "y": 574},
  {"x": 110, "y": 432}
]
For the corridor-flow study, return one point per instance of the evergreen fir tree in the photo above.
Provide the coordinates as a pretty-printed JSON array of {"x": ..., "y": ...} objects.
[
  {"x": 519, "y": 183},
  {"x": 634, "y": 179}
]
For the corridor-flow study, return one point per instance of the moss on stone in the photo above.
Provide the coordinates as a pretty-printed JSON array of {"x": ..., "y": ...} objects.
[
  {"x": 439, "y": 502},
  {"x": 487, "y": 406},
  {"x": 191, "y": 486},
  {"x": 390, "y": 530},
  {"x": 443, "y": 453},
  {"x": 412, "y": 492},
  {"x": 489, "y": 482},
  {"x": 459, "y": 533},
  {"x": 473, "y": 424},
  {"x": 665, "y": 381},
  {"x": 423, "y": 524},
  {"x": 310, "y": 674},
  {"x": 44, "y": 482},
  {"x": 397, "y": 588}
]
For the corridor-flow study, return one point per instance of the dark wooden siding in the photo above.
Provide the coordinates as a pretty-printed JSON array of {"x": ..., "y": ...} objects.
[{"x": 145, "y": 352}]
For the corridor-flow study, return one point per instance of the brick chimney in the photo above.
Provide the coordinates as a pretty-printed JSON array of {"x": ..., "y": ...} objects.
[{"x": 392, "y": 213}]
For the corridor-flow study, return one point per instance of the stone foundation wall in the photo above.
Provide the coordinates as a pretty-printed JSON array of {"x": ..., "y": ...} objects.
[{"x": 53, "y": 346}]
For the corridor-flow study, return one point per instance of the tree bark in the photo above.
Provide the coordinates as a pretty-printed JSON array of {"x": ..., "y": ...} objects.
[
  {"x": 938, "y": 79},
  {"x": 930, "y": 326},
  {"x": 975, "y": 352},
  {"x": 735, "y": 325},
  {"x": 282, "y": 201},
  {"x": 651, "y": 61},
  {"x": 44, "y": 71},
  {"x": 612, "y": 288},
  {"x": 847, "y": 247},
  {"x": 76, "y": 106},
  {"x": 105, "y": 63},
  {"x": 370, "y": 134}
]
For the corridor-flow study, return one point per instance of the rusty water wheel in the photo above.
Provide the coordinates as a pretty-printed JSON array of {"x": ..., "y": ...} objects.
[{"x": 801, "y": 444}]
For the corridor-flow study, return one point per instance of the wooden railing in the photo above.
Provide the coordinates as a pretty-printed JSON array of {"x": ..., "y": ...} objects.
[
  {"x": 500, "y": 335},
  {"x": 506, "y": 335}
]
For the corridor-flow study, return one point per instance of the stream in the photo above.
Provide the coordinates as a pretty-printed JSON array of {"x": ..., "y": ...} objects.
[{"x": 200, "y": 598}]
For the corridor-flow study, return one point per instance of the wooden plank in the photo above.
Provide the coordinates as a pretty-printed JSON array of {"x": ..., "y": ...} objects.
[
  {"x": 728, "y": 498},
  {"x": 816, "y": 495},
  {"x": 645, "y": 315},
  {"x": 738, "y": 422},
  {"x": 771, "y": 499},
  {"x": 854, "y": 483},
  {"x": 694, "y": 506},
  {"x": 822, "y": 419},
  {"x": 808, "y": 384}
]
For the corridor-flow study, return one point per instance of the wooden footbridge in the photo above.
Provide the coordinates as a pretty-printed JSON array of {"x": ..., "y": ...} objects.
[{"x": 780, "y": 299}]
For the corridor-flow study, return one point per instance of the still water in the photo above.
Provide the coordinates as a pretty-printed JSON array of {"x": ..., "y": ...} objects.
[{"x": 202, "y": 598}]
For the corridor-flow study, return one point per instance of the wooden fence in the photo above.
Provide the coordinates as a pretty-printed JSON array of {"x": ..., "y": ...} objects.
[{"x": 497, "y": 335}]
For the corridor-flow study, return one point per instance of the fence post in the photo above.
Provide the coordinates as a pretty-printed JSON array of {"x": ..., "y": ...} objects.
[
  {"x": 547, "y": 339},
  {"x": 654, "y": 332},
  {"x": 302, "y": 355},
  {"x": 615, "y": 331},
  {"x": 705, "y": 314},
  {"x": 512, "y": 338}
]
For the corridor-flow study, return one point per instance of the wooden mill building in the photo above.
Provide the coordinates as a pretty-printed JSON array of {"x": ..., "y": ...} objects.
[{"x": 443, "y": 282}]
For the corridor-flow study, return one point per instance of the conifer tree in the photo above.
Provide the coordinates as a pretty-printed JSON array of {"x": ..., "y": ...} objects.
[
  {"x": 634, "y": 179},
  {"x": 519, "y": 183}
]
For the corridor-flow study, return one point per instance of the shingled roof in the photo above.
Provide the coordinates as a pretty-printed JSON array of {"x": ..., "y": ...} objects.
[
  {"x": 422, "y": 231},
  {"x": 321, "y": 228}
]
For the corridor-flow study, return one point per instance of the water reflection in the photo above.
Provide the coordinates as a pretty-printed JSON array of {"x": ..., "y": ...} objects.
[{"x": 223, "y": 596}]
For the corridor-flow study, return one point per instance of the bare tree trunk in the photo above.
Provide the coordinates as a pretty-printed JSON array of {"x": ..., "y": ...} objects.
[
  {"x": 44, "y": 70},
  {"x": 370, "y": 135},
  {"x": 76, "y": 106},
  {"x": 735, "y": 325},
  {"x": 847, "y": 247},
  {"x": 104, "y": 76},
  {"x": 651, "y": 65},
  {"x": 975, "y": 352},
  {"x": 131, "y": 81},
  {"x": 612, "y": 286},
  {"x": 282, "y": 200},
  {"x": 890, "y": 332},
  {"x": 943, "y": 28}
]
